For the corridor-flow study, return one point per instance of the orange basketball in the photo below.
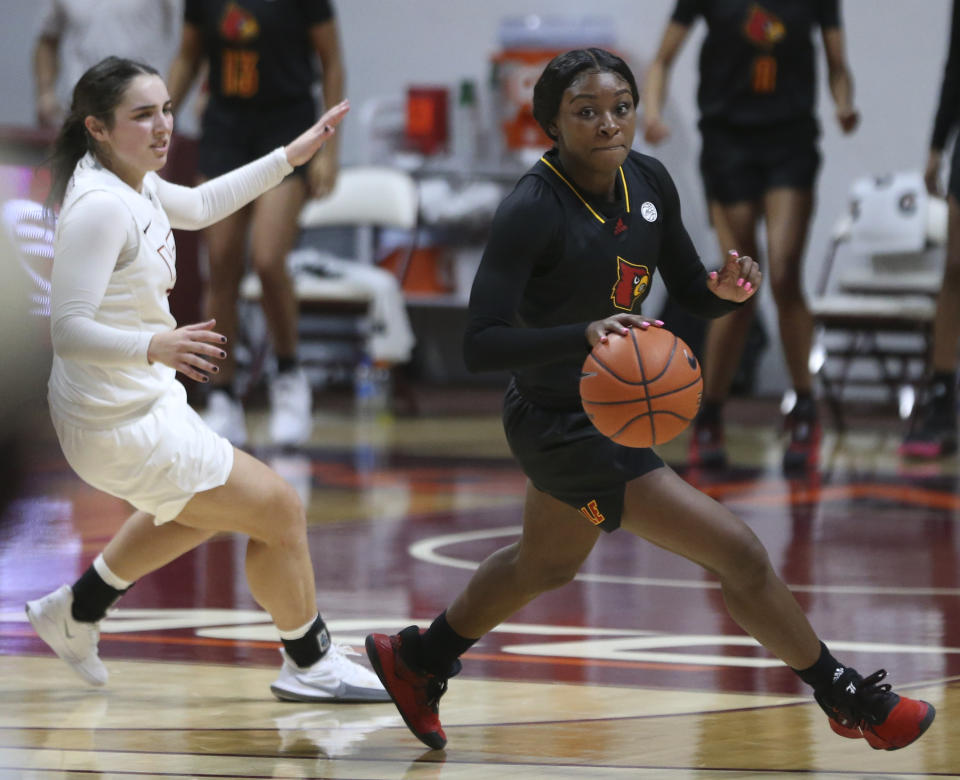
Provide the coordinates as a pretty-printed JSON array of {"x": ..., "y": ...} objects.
[{"x": 641, "y": 389}]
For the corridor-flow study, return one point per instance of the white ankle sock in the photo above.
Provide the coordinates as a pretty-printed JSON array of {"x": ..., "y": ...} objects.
[
  {"x": 108, "y": 576},
  {"x": 297, "y": 633}
]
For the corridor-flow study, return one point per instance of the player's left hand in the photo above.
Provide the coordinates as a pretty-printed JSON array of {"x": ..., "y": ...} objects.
[
  {"x": 322, "y": 173},
  {"x": 305, "y": 145},
  {"x": 848, "y": 118},
  {"x": 738, "y": 280}
]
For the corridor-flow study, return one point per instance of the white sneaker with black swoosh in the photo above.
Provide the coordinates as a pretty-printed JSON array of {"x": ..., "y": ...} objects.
[
  {"x": 333, "y": 678},
  {"x": 73, "y": 641}
]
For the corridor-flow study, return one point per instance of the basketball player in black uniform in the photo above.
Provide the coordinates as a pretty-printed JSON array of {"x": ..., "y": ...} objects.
[
  {"x": 570, "y": 258},
  {"x": 933, "y": 431},
  {"x": 759, "y": 159},
  {"x": 261, "y": 79}
]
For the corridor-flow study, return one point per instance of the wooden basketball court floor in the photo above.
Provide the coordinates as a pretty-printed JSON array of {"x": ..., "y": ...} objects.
[{"x": 633, "y": 670}]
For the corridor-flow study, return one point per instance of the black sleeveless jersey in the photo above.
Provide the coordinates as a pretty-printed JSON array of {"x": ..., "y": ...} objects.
[
  {"x": 757, "y": 64},
  {"x": 948, "y": 108},
  {"x": 557, "y": 260},
  {"x": 259, "y": 51}
]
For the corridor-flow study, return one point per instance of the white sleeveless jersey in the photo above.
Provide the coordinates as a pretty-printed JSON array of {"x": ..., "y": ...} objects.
[
  {"x": 135, "y": 300},
  {"x": 106, "y": 379}
]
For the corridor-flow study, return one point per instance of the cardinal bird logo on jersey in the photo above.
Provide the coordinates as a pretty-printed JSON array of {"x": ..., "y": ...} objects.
[
  {"x": 763, "y": 28},
  {"x": 237, "y": 24},
  {"x": 633, "y": 281}
]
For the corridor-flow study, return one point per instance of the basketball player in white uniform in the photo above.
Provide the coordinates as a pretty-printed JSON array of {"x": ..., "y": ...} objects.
[{"x": 121, "y": 416}]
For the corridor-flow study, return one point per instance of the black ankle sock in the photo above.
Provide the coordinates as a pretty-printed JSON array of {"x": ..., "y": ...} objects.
[
  {"x": 440, "y": 647},
  {"x": 943, "y": 392},
  {"x": 824, "y": 672},
  {"x": 311, "y": 647},
  {"x": 710, "y": 412},
  {"x": 92, "y": 597},
  {"x": 805, "y": 407},
  {"x": 286, "y": 364}
]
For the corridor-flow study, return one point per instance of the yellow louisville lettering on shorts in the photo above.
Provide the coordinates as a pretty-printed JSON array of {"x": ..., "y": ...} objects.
[{"x": 592, "y": 512}]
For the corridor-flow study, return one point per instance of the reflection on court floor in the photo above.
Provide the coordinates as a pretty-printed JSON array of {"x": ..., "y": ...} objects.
[{"x": 633, "y": 670}]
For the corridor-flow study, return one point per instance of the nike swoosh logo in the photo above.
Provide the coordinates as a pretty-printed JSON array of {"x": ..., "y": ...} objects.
[
  {"x": 344, "y": 690},
  {"x": 147, "y": 227}
]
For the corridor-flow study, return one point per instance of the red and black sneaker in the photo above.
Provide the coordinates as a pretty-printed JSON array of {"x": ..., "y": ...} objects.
[
  {"x": 803, "y": 447},
  {"x": 707, "y": 450},
  {"x": 415, "y": 692},
  {"x": 932, "y": 434},
  {"x": 865, "y": 708}
]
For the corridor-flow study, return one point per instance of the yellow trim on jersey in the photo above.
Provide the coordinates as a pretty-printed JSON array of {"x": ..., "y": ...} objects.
[
  {"x": 623, "y": 178},
  {"x": 626, "y": 192}
]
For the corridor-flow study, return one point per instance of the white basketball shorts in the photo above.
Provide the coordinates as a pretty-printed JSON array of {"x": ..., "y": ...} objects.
[{"x": 157, "y": 462}]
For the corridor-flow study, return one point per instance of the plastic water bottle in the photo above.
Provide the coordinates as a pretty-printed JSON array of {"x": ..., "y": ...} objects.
[
  {"x": 363, "y": 384},
  {"x": 371, "y": 388}
]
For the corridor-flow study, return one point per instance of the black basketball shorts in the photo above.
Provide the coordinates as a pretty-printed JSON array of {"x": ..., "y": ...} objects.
[
  {"x": 953, "y": 186},
  {"x": 566, "y": 457},
  {"x": 233, "y": 136},
  {"x": 741, "y": 164}
]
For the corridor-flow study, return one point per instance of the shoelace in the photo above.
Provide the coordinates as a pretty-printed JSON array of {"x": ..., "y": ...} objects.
[
  {"x": 338, "y": 655},
  {"x": 852, "y": 710},
  {"x": 870, "y": 693},
  {"x": 436, "y": 687}
]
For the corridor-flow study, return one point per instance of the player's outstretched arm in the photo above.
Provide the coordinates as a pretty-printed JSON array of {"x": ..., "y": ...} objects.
[{"x": 305, "y": 145}]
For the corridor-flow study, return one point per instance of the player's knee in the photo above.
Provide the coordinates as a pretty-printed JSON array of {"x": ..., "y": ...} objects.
[
  {"x": 750, "y": 567},
  {"x": 270, "y": 267},
  {"x": 550, "y": 575},
  {"x": 785, "y": 287},
  {"x": 225, "y": 273},
  {"x": 287, "y": 521}
]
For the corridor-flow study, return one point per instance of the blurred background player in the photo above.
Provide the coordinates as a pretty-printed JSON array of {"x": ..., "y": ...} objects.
[
  {"x": 759, "y": 160},
  {"x": 933, "y": 431},
  {"x": 76, "y": 34},
  {"x": 262, "y": 75}
]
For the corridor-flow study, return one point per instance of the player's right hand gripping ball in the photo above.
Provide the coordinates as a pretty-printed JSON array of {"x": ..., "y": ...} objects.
[{"x": 641, "y": 389}]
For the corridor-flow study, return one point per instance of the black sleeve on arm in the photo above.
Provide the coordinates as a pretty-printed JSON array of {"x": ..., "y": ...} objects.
[
  {"x": 828, "y": 14},
  {"x": 685, "y": 12},
  {"x": 526, "y": 229},
  {"x": 193, "y": 12},
  {"x": 679, "y": 263},
  {"x": 949, "y": 104},
  {"x": 317, "y": 11}
]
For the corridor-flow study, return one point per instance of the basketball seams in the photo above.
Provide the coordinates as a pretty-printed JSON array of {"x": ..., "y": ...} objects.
[
  {"x": 610, "y": 371},
  {"x": 650, "y": 415},
  {"x": 643, "y": 375},
  {"x": 669, "y": 360},
  {"x": 646, "y": 398},
  {"x": 638, "y": 424}
]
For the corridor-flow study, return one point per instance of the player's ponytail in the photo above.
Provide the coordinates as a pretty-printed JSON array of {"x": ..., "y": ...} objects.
[
  {"x": 70, "y": 146},
  {"x": 97, "y": 93}
]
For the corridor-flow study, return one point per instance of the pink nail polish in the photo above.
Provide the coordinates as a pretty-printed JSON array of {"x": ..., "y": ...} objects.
[
  {"x": 658, "y": 323},
  {"x": 739, "y": 282},
  {"x": 748, "y": 287},
  {"x": 713, "y": 274},
  {"x": 734, "y": 253}
]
